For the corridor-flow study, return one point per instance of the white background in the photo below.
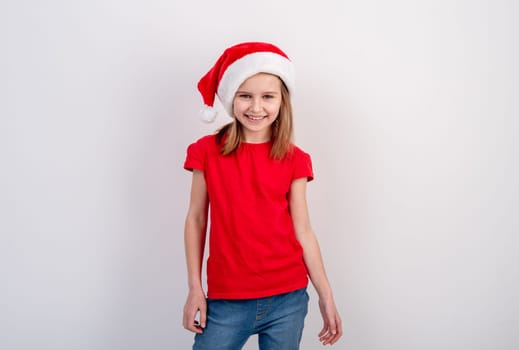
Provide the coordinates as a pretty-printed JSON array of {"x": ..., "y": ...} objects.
[{"x": 409, "y": 109}]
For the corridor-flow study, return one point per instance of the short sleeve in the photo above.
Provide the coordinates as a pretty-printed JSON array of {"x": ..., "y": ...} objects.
[
  {"x": 303, "y": 166},
  {"x": 195, "y": 157}
]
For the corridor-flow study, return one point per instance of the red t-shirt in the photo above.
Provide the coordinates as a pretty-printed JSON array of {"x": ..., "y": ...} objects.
[{"x": 253, "y": 250}]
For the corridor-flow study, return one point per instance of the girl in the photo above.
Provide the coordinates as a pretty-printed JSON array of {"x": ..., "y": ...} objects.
[{"x": 253, "y": 179}]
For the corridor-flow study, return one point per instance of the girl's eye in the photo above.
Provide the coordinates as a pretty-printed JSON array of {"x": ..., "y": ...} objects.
[
  {"x": 244, "y": 95},
  {"x": 268, "y": 96}
]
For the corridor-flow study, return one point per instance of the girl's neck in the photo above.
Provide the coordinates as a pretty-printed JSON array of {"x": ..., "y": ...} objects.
[{"x": 249, "y": 137}]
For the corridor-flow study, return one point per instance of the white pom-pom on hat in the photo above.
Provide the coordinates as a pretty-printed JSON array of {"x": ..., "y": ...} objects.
[
  {"x": 208, "y": 114},
  {"x": 234, "y": 66}
]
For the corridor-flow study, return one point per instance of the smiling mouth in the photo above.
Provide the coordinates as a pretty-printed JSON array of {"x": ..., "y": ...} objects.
[{"x": 251, "y": 117}]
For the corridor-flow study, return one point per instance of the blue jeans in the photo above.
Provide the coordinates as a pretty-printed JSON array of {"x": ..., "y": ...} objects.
[{"x": 278, "y": 321}]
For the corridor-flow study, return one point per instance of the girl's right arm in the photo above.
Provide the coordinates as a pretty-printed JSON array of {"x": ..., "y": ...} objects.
[{"x": 194, "y": 240}]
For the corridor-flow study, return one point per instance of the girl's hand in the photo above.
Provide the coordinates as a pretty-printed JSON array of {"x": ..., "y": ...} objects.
[
  {"x": 195, "y": 303},
  {"x": 332, "y": 324}
]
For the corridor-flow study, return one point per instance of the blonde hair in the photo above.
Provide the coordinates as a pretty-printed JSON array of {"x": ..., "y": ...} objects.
[{"x": 282, "y": 130}]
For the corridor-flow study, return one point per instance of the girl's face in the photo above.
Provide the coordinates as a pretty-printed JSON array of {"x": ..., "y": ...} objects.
[{"x": 256, "y": 106}]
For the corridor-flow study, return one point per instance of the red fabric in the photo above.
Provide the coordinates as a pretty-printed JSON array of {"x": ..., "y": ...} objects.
[{"x": 253, "y": 250}]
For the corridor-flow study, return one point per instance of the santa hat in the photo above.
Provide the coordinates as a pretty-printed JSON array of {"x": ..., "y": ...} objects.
[{"x": 235, "y": 65}]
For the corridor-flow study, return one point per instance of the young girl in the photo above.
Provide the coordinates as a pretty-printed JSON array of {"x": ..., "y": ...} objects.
[{"x": 253, "y": 178}]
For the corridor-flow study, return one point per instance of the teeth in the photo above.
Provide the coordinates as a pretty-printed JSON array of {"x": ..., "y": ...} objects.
[{"x": 254, "y": 118}]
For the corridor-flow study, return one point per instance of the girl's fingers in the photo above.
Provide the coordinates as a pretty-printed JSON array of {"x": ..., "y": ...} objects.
[
  {"x": 331, "y": 332},
  {"x": 323, "y": 331},
  {"x": 190, "y": 323},
  {"x": 194, "y": 326},
  {"x": 325, "y": 335},
  {"x": 203, "y": 315}
]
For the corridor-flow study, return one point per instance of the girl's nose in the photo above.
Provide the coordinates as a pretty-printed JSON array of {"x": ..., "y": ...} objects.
[{"x": 256, "y": 105}]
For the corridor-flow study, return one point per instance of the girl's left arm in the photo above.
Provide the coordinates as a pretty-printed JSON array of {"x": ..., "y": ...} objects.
[{"x": 332, "y": 325}]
